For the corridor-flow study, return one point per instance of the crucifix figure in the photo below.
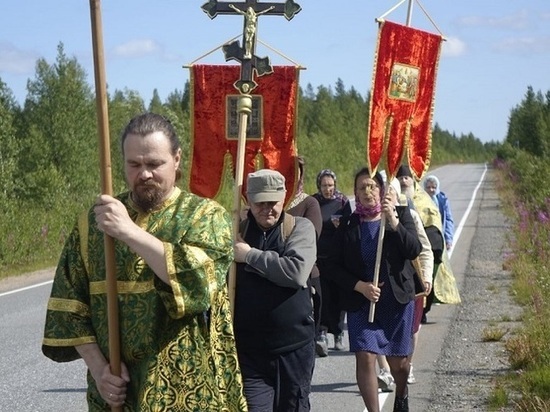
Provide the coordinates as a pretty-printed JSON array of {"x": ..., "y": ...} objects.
[
  {"x": 250, "y": 9},
  {"x": 250, "y": 21}
]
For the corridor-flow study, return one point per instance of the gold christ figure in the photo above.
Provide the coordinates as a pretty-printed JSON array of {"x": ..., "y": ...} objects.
[{"x": 251, "y": 20}]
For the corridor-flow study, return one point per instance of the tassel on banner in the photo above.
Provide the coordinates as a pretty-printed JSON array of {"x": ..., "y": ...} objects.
[
  {"x": 259, "y": 161},
  {"x": 394, "y": 162},
  {"x": 387, "y": 133},
  {"x": 227, "y": 181}
]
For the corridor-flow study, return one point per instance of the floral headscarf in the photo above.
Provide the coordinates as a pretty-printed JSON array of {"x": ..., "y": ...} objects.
[{"x": 327, "y": 172}]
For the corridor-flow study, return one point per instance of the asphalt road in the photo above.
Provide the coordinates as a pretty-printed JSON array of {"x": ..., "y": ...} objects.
[{"x": 30, "y": 382}]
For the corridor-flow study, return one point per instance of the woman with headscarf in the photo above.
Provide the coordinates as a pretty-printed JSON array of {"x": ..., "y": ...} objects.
[
  {"x": 353, "y": 264},
  {"x": 432, "y": 187},
  {"x": 334, "y": 206}
]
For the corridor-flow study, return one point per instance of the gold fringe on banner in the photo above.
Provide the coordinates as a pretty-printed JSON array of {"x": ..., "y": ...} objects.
[{"x": 259, "y": 160}]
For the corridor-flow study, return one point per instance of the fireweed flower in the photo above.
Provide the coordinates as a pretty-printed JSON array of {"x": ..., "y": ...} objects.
[
  {"x": 543, "y": 217},
  {"x": 523, "y": 217}
]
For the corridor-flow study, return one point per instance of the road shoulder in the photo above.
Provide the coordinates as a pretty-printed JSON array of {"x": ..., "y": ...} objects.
[
  {"x": 16, "y": 282},
  {"x": 468, "y": 364}
]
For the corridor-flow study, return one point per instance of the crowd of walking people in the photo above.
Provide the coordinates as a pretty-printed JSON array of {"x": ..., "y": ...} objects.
[{"x": 306, "y": 267}]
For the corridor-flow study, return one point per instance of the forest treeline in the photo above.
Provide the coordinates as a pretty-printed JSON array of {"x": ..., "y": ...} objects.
[
  {"x": 49, "y": 163},
  {"x": 526, "y": 148}
]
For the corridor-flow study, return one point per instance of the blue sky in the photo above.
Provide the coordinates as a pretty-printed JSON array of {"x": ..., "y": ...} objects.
[{"x": 494, "y": 49}]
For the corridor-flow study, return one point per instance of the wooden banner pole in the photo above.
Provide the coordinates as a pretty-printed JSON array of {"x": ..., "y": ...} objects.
[
  {"x": 381, "y": 233},
  {"x": 244, "y": 108},
  {"x": 106, "y": 186}
]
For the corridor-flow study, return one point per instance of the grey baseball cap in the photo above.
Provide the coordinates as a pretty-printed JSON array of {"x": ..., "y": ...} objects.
[{"x": 265, "y": 185}]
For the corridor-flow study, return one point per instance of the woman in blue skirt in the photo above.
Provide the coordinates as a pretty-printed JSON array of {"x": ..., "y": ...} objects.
[{"x": 352, "y": 264}]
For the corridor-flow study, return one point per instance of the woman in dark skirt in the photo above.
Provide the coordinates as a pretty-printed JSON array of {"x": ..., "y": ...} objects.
[{"x": 352, "y": 263}]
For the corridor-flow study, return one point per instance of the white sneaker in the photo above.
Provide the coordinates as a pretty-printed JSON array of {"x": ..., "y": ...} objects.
[
  {"x": 339, "y": 342},
  {"x": 411, "y": 379},
  {"x": 385, "y": 381},
  {"x": 321, "y": 345}
]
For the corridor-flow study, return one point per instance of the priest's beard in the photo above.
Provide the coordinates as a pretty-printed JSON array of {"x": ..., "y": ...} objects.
[
  {"x": 408, "y": 191},
  {"x": 147, "y": 196}
]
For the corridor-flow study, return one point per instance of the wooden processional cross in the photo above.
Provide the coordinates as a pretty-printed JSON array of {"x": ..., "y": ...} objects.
[
  {"x": 245, "y": 55},
  {"x": 250, "y": 63}
]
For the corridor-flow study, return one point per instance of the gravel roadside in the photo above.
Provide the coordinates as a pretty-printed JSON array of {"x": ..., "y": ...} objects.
[
  {"x": 468, "y": 365},
  {"x": 32, "y": 278}
]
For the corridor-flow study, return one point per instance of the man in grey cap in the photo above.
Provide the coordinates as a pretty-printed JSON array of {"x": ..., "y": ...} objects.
[{"x": 273, "y": 319}]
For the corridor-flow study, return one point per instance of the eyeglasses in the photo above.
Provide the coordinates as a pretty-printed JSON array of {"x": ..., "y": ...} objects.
[{"x": 370, "y": 187}]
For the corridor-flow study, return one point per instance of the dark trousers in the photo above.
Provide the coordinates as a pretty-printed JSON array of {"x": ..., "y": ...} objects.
[
  {"x": 317, "y": 298},
  {"x": 278, "y": 383},
  {"x": 331, "y": 310},
  {"x": 431, "y": 297}
]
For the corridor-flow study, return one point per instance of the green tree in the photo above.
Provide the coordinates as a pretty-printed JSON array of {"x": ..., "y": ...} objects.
[
  {"x": 8, "y": 144},
  {"x": 59, "y": 127},
  {"x": 155, "y": 105},
  {"x": 529, "y": 127},
  {"x": 332, "y": 133},
  {"x": 124, "y": 105},
  {"x": 178, "y": 102}
]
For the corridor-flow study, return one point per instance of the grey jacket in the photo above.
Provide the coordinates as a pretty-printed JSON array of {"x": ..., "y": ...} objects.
[
  {"x": 292, "y": 268},
  {"x": 273, "y": 307}
]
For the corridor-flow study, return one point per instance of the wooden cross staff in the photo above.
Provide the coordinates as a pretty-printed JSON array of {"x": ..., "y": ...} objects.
[
  {"x": 250, "y": 63},
  {"x": 106, "y": 187}
]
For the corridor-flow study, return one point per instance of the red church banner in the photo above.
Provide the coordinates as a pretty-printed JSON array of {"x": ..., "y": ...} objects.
[
  {"x": 270, "y": 133},
  {"x": 402, "y": 101}
]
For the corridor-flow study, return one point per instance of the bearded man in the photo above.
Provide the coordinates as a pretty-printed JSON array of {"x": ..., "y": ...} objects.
[{"x": 172, "y": 251}]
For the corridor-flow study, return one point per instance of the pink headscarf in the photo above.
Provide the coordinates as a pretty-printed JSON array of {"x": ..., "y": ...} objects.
[{"x": 367, "y": 212}]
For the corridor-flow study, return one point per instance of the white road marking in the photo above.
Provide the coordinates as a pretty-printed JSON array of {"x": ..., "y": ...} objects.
[
  {"x": 25, "y": 288},
  {"x": 458, "y": 230}
]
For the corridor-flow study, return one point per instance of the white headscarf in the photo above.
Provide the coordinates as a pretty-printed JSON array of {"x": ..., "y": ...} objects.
[
  {"x": 433, "y": 179},
  {"x": 396, "y": 186}
]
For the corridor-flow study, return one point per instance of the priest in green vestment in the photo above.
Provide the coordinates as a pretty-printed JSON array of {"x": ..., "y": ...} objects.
[{"x": 173, "y": 250}]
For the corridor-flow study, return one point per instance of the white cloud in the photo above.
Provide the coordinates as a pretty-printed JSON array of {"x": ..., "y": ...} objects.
[
  {"x": 516, "y": 21},
  {"x": 15, "y": 61},
  {"x": 453, "y": 47},
  {"x": 137, "y": 48},
  {"x": 524, "y": 45}
]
